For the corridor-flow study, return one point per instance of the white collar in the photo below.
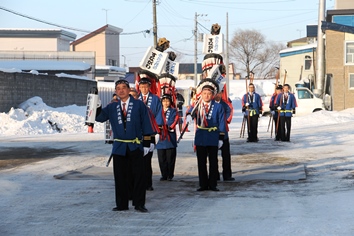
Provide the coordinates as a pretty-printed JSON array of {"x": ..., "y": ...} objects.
[{"x": 126, "y": 102}]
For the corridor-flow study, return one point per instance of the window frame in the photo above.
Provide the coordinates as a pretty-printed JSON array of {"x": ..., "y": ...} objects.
[
  {"x": 349, "y": 87},
  {"x": 346, "y": 54}
]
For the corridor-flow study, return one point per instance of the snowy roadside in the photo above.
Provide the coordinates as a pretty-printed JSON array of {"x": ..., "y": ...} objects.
[{"x": 35, "y": 203}]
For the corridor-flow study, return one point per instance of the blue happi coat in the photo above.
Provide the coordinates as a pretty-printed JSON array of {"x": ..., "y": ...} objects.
[
  {"x": 255, "y": 103},
  {"x": 228, "y": 115},
  {"x": 272, "y": 105},
  {"x": 167, "y": 121},
  {"x": 216, "y": 124},
  {"x": 153, "y": 102},
  {"x": 287, "y": 105},
  {"x": 138, "y": 124}
]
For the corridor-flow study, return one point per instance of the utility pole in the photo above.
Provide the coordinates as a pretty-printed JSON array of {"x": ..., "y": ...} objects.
[
  {"x": 195, "y": 50},
  {"x": 320, "y": 73},
  {"x": 154, "y": 29},
  {"x": 227, "y": 54}
]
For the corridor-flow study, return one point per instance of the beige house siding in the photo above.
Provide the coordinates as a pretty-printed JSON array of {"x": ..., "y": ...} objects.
[
  {"x": 29, "y": 44},
  {"x": 343, "y": 97},
  {"x": 97, "y": 44},
  {"x": 344, "y": 4},
  {"x": 104, "y": 41}
]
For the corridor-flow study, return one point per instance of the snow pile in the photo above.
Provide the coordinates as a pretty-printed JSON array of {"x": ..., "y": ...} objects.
[{"x": 35, "y": 117}]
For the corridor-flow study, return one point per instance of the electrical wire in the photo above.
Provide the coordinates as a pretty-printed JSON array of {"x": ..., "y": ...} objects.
[{"x": 67, "y": 27}]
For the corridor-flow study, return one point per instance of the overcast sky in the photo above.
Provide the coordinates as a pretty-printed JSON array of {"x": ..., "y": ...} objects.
[{"x": 278, "y": 20}]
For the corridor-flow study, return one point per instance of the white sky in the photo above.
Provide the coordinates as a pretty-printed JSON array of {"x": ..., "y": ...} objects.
[
  {"x": 34, "y": 203},
  {"x": 278, "y": 20}
]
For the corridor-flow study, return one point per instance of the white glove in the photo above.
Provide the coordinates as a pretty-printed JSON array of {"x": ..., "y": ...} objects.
[
  {"x": 220, "y": 144},
  {"x": 278, "y": 108},
  {"x": 294, "y": 115},
  {"x": 273, "y": 113},
  {"x": 189, "y": 118},
  {"x": 152, "y": 147},
  {"x": 260, "y": 115},
  {"x": 247, "y": 104},
  {"x": 146, "y": 150}
]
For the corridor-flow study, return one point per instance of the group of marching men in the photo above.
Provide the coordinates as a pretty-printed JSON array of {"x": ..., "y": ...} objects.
[
  {"x": 282, "y": 106},
  {"x": 136, "y": 120}
]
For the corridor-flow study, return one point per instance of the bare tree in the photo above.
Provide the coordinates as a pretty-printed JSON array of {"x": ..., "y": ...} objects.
[{"x": 252, "y": 53}]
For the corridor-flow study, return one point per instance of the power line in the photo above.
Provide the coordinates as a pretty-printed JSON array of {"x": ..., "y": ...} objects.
[
  {"x": 226, "y": 5},
  {"x": 66, "y": 27}
]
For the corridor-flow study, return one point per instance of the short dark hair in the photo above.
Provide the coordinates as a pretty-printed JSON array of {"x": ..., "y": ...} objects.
[
  {"x": 122, "y": 81},
  {"x": 144, "y": 81}
]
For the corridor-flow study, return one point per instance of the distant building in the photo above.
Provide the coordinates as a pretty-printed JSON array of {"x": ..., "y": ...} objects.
[
  {"x": 104, "y": 42},
  {"x": 344, "y": 4},
  {"x": 35, "y": 40}
]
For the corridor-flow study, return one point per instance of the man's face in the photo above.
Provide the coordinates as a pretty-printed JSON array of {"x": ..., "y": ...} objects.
[
  {"x": 218, "y": 97},
  {"x": 286, "y": 89},
  {"x": 122, "y": 91},
  {"x": 207, "y": 95},
  {"x": 251, "y": 88},
  {"x": 144, "y": 88},
  {"x": 278, "y": 91}
]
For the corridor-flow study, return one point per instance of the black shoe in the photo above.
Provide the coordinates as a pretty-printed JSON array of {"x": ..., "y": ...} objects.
[
  {"x": 150, "y": 188},
  {"x": 214, "y": 189},
  {"x": 169, "y": 179},
  {"x": 163, "y": 179},
  {"x": 141, "y": 209},
  {"x": 229, "y": 179},
  {"x": 120, "y": 209},
  {"x": 202, "y": 189}
]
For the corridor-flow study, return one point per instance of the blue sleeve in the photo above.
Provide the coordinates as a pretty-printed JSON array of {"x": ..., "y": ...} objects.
[
  {"x": 227, "y": 110},
  {"x": 278, "y": 100},
  {"x": 104, "y": 115},
  {"x": 146, "y": 122},
  {"x": 222, "y": 123},
  {"x": 271, "y": 103},
  {"x": 259, "y": 102},
  {"x": 158, "y": 106},
  {"x": 159, "y": 118}
]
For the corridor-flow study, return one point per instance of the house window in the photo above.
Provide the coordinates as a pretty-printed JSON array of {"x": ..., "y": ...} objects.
[
  {"x": 308, "y": 62},
  {"x": 351, "y": 81},
  {"x": 349, "y": 52}
]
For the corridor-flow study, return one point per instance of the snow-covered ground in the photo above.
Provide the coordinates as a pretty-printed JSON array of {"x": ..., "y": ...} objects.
[{"x": 32, "y": 202}]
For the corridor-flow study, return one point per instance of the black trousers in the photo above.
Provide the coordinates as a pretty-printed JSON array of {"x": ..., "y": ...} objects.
[
  {"x": 129, "y": 169},
  {"x": 252, "y": 127},
  {"x": 167, "y": 161},
  {"x": 148, "y": 164},
  {"x": 285, "y": 128},
  {"x": 276, "y": 132},
  {"x": 226, "y": 159},
  {"x": 211, "y": 152}
]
